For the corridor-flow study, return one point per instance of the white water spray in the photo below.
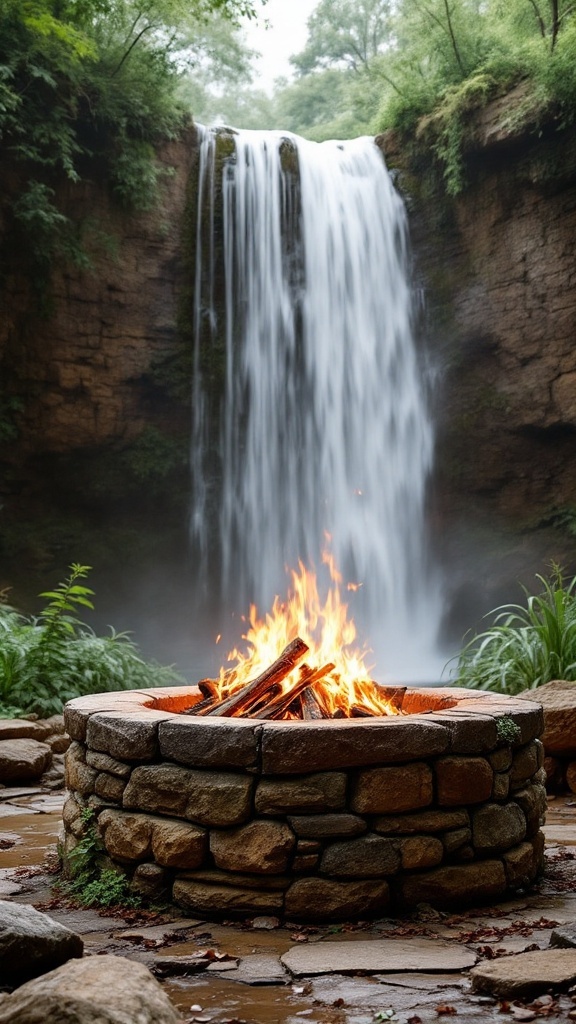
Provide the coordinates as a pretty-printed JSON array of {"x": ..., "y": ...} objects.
[{"x": 323, "y": 428}]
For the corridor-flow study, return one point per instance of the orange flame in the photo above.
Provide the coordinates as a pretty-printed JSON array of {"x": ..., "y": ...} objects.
[{"x": 330, "y": 635}]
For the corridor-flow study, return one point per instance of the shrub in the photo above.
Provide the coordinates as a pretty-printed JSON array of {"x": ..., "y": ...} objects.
[
  {"x": 47, "y": 660},
  {"x": 527, "y": 645}
]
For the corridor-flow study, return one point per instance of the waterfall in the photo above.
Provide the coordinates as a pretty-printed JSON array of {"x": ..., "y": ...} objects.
[{"x": 322, "y": 427}]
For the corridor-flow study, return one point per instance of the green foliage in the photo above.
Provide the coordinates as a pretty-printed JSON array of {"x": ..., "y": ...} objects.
[
  {"x": 528, "y": 645},
  {"x": 89, "y": 88},
  {"x": 344, "y": 34},
  {"x": 507, "y": 731},
  {"x": 92, "y": 882},
  {"x": 423, "y": 67},
  {"x": 47, "y": 660},
  {"x": 153, "y": 456},
  {"x": 447, "y": 125}
]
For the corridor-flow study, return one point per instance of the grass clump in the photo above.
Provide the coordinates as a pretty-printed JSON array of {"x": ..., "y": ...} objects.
[
  {"x": 527, "y": 645},
  {"x": 92, "y": 883},
  {"x": 49, "y": 659}
]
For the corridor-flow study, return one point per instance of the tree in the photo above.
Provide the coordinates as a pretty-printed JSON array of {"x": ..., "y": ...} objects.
[
  {"x": 344, "y": 34},
  {"x": 92, "y": 84}
]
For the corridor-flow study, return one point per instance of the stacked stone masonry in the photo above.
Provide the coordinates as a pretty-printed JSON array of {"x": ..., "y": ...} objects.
[{"x": 312, "y": 820}]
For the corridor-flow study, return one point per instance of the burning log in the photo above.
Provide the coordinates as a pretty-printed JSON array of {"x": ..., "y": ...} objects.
[
  {"x": 361, "y": 711},
  {"x": 311, "y": 707},
  {"x": 209, "y": 688},
  {"x": 249, "y": 695},
  {"x": 276, "y": 707}
]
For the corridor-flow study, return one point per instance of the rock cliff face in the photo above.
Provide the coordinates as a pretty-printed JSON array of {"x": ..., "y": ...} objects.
[
  {"x": 498, "y": 266},
  {"x": 88, "y": 370},
  {"x": 499, "y": 269}
]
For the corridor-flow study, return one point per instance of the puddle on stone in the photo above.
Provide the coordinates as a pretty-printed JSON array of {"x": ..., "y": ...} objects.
[
  {"x": 38, "y": 832},
  {"x": 223, "y": 1000}
]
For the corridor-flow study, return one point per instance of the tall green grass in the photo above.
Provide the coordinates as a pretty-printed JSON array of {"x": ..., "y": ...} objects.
[
  {"x": 48, "y": 659},
  {"x": 527, "y": 645}
]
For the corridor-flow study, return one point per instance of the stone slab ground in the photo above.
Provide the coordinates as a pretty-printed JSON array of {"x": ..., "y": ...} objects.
[{"x": 261, "y": 981}]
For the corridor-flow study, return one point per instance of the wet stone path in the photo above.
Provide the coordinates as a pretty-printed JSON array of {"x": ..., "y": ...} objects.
[{"x": 410, "y": 971}]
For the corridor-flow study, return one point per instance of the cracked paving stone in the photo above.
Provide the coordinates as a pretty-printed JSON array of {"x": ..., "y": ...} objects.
[{"x": 378, "y": 956}]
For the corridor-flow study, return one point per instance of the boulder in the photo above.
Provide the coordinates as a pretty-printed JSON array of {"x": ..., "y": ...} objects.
[
  {"x": 22, "y": 759},
  {"x": 97, "y": 990},
  {"x": 32, "y": 943},
  {"x": 526, "y": 974},
  {"x": 558, "y": 698}
]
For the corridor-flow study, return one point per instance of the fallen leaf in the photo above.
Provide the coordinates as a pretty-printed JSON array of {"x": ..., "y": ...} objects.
[
  {"x": 446, "y": 1011},
  {"x": 522, "y": 1013},
  {"x": 414, "y": 1020}
]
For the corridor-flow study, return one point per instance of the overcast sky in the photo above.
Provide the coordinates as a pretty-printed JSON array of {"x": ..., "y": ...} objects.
[{"x": 286, "y": 35}]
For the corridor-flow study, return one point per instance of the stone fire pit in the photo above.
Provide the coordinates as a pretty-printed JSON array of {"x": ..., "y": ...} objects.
[{"x": 312, "y": 820}]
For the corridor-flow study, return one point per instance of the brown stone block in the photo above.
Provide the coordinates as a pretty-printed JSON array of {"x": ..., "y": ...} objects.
[
  {"x": 367, "y": 857},
  {"x": 539, "y": 845},
  {"x": 527, "y": 715},
  {"x": 22, "y": 759},
  {"x": 126, "y": 836},
  {"x": 501, "y": 759},
  {"x": 207, "y": 798},
  {"x": 78, "y": 711},
  {"x": 327, "y": 826},
  {"x": 501, "y": 787},
  {"x": 210, "y": 742},
  {"x": 559, "y": 701},
  {"x": 72, "y": 816},
  {"x": 58, "y": 744},
  {"x": 260, "y": 847},
  {"x": 136, "y": 836},
  {"x": 350, "y": 743},
  {"x": 128, "y": 737},
  {"x": 532, "y": 800},
  {"x": 213, "y": 876},
  {"x": 424, "y": 821},
  {"x": 469, "y": 733},
  {"x": 455, "y": 885},
  {"x": 305, "y": 862},
  {"x": 202, "y": 898},
  {"x": 521, "y": 865},
  {"x": 308, "y": 846},
  {"x": 420, "y": 852},
  {"x": 456, "y": 839},
  {"x": 319, "y": 792},
  {"x": 527, "y": 974},
  {"x": 524, "y": 765},
  {"x": 161, "y": 788},
  {"x": 463, "y": 780},
  {"x": 178, "y": 844},
  {"x": 109, "y": 787},
  {"x": 105, "y": 763},
  {"x": 78, "y": 775},
  {"x": 323, "y": 899},
  {"x": 385, "y": 790},
  {"x": 497, "y": 827},
  {"x": 21, "y": 728},
  {"x": 150, "y": 881}
]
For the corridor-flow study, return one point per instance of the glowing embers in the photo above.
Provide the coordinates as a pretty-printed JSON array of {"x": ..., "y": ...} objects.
[{"x": 301, "y": 661}]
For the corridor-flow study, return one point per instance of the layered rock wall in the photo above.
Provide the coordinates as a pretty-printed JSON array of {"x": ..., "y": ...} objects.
[
  {"x": 498, "y": 265},
  {"x": 84, "y": 358}
]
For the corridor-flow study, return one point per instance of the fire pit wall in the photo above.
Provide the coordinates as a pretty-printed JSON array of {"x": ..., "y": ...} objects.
[{"x": 312, "y": 820}]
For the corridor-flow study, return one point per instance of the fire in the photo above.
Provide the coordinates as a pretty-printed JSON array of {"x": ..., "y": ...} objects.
[{"x": 328, "y": 631}]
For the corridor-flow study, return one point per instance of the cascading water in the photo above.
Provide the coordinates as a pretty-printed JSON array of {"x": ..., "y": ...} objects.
[{"x": 323, "y": 427}]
